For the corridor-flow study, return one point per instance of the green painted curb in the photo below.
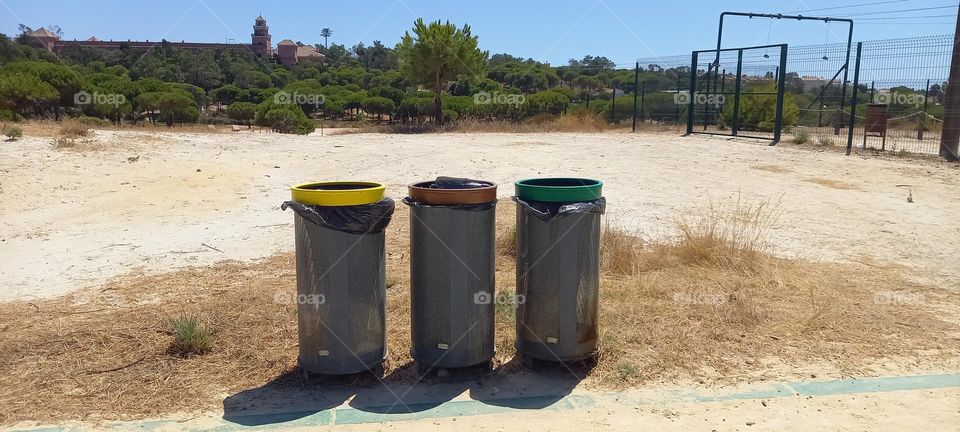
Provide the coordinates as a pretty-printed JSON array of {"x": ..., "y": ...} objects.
[{"x": 462, "y": 408}]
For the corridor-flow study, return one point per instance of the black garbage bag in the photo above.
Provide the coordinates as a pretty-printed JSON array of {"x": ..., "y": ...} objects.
[
  {"x": 457, "y": 183},
  {"x": 357, "y": 219},
  {"x": 462, "y": 207},
  {"x": 546, "y": 211}
]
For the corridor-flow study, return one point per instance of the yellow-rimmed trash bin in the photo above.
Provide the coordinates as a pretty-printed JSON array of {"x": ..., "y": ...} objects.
[{"x": 341, "y": 275}]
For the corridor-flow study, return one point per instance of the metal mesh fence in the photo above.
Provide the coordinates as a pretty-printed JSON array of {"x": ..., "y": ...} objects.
[
  {"x": 735, "y": 91},
  {"x": 661, "y": 81},
  {"x": 899, "y": 98},
  {"x": 901, "y": 94}
]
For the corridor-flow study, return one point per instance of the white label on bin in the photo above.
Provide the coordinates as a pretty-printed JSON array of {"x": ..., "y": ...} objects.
[
  {"x": 552, "y": 340},
  {"x": 443, "y": 346},
  {"x": 323, "y": 353}
]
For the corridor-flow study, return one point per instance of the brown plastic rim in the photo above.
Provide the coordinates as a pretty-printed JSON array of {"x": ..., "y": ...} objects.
[{"x": 422, "y": 192}]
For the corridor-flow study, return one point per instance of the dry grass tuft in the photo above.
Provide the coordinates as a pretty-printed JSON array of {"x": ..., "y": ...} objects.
[
  {"x": 64, "y": 142},
  {"x": 580, "y": 121},
  {"x": 723, "y": 234},
  {"x": 712, "y": 303},
  {"x": 507, "y": 241},
  {"x": 709, "y": 304},
  {"x": 620, "y": 252},
  {"x": 74, "y": 129},
  {"x": 576, "y": 122}
]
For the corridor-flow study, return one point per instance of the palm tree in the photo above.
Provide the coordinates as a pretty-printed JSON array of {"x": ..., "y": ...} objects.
[
  {"x": 325, "y": 33},
  {"x": 440, "y": 53}
]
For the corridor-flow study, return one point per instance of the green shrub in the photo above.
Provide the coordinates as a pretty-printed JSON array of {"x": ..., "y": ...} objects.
[
  {"x": 7, "y": 115},
  {"x": 801, "y": 137},
  {"x": 191, "y": 336},
  {"x": 242, "y": 112},
  {"x": 450, "y": 116},
  {"x": 283, "y": 118},
  {"x": 378, "y": 106},
  {"x": 12, "y": 133},
  {"x": 758, "y": 108},
  {"x": 624, "y": 109}
]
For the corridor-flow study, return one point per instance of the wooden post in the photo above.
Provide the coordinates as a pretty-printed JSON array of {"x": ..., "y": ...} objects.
[{"x": 950, "y": 138}]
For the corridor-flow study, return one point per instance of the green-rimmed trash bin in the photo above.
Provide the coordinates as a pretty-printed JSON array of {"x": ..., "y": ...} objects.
[
  {"x": 341, "y": 280},
  {"x": 558, "y": 267},
  {"x": 452, "y": 272}
]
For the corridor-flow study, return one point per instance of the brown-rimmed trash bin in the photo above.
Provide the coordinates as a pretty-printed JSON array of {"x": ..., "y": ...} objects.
[{"x": 452, "y": 272}]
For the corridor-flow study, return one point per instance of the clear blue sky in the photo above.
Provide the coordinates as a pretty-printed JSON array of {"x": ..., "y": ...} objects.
[{"x": 547, "y": 30}]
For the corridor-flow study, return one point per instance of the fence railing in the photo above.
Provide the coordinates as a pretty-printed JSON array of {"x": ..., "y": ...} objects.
[{"x": 898, "y": 104}]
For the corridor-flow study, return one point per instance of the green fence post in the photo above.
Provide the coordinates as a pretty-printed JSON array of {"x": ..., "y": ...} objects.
[
  {"x": 853, "y": 104},
  {"x": 693, "y": 83},
  {"x": 781, "y": 84},
  {"x": 736, "y": 95},
  {"x": 613, "y": 105},
  {"x": 643, "y": 94},
  {"x": 636, "y": 79},
  {"x": 923, "y": 118}
]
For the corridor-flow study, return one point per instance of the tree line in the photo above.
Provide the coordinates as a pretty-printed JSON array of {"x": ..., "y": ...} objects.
[{"x": 435, "y": 74}]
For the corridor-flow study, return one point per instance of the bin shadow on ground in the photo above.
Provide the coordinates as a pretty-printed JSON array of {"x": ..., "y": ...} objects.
[
  {"x": 510, "y": 385},
  {"x": 515, "y": 386},
  {"x": 288, "y": 397},
  {"x": 404, "y": 391}
]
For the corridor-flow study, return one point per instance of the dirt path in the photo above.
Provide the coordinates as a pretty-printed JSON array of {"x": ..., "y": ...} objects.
[{"x": 72, "y": 218}]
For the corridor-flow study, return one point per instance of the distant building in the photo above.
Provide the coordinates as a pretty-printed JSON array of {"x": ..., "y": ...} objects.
[
  {"x": 261, "y": 37},
  {"x": 288, "y": 53},
  {"x": 44, "y": 37}
]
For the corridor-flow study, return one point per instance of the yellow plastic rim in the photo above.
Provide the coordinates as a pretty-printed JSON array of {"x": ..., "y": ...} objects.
[{"x": 337, "y": 193}]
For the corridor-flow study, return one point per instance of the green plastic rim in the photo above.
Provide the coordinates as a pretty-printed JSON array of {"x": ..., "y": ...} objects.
[{"x": 560, "y": 189}]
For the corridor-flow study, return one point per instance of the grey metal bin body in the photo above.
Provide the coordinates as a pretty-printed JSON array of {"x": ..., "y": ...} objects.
[
  {"x": 558, "y": 275},
  {"x": 341, "y": 299},
  {"x": 452, "y": 281}
]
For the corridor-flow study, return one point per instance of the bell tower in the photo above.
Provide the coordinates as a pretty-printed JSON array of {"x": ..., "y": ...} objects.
[{"x": 261, "y": 37}]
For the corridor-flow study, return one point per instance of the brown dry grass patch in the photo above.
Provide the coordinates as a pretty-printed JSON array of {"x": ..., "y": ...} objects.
[
  {"x": 833, "y": 184},
  {"x": 577, "y": 122},
  {"x": 779, "y": 169},
  {"x": 52, "y": 129},
  {"x": 707, "y": 304},
  {"x": 74, "y": 129}
]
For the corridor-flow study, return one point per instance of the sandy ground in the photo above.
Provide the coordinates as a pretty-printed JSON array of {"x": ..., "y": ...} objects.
[
  {"x": 884, "y": 412},
  {"x": 156, "y": 201},
  {"x": 72, "y": 218},
  {"x": 911, "y": 410}
]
